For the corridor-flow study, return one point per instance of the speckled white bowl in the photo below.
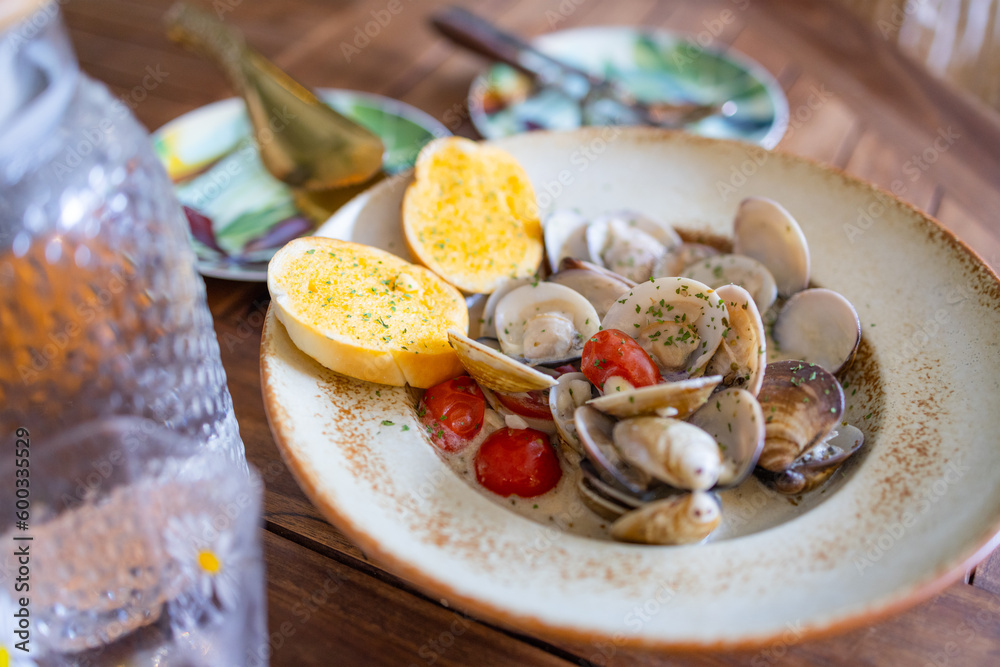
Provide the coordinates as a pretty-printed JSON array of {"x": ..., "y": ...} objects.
[{"x": 909, "y": 516}]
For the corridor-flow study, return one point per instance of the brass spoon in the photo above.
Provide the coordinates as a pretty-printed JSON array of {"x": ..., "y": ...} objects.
[{"x": 301, "y": 141}]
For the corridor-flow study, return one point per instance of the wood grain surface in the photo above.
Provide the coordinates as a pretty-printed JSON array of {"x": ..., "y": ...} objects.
[{"x": 855, "y": 103}]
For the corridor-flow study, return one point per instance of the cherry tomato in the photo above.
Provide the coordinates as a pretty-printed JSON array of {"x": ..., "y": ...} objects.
[
  {"x": 612, "y": 352},
  {"x": 566, "y": 368},
  {"x": 527, "y": 404},
  {"x": 517, "y": 461},
  {"x": 453, "y": 412}
]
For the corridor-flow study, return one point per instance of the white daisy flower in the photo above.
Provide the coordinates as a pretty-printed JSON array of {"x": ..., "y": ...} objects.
[
  {"x": 10, "y": 655},
  {"x": 209, "y": 559}
]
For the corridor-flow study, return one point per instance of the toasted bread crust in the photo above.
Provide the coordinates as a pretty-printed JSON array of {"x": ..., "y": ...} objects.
[
  {"x": 471, "y": 217},
  {"x": 366, "y": 313}
]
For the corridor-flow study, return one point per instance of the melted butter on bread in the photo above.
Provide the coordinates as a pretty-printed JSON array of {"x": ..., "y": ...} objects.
[
  {"x": 471, "y": 216},
  {"x": 366, "y": 313}
]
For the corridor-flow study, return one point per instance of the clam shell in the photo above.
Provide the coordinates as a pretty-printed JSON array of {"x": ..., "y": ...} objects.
[
  {"x": 517, "y": 316},
  {"x": 682, "y": 519},
  {"x": 487, "y": 321},
  {"x": 667, "y": 399},
  {"x": 693, "y": 306},
  {"x": 595, "y": 430},
  {"x": 495, "y": 370},
  {"x": 629, "y": 243},
  {"x": 802, "y": 403},
  {"x": 681, "y": 256},
  {"x": 735, "y": 419},
  {"x": 818, "y": 325},
  {"x": 565, "y": 236},
  {"x": 598, "y": 285},
  {"x": 564, "y": 400},
  {"x": 672, "y": 451},
  {"x": 764, "y": 230},
  {"x": 740, "y": 270},
  {"x": 742, "y": 354}
]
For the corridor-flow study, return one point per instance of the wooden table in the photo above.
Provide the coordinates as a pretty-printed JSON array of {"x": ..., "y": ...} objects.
[{"x": 854, "y": 103}]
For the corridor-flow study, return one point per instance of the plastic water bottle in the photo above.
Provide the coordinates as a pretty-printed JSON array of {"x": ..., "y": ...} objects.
[{"x": 101, "y": 310}]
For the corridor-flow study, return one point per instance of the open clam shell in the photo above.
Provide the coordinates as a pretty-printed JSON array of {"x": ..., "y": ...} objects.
[
  {"x": 545, "y": 323},
  {"x": 740, "y": 270},
  {"x": 764, "y": 230},
  {"x": 682, "y": 519},
  {"x": 735, "y": 419},
  {"x": 673, "y": 262},
  {"x": 571, "y": 391},
  {"x": 598, "y": 285},
  {"x": 668, "y": 399},
  {"x": 565, "y": 236},
  {"x": 742, "y": 354},
  {"x": 595, "y": 431},
  {"x": 819, "y": 463},
  {"x": 495, "y": 370},
  {"x": 629, "y": 243},
  {"x": 678, "y": 321},
  {"x": 672, "y": 451},
  {"x": 802, "y": 403},
  {"x": 818, "y": 325},
  {"x": 487, "y": 321}
]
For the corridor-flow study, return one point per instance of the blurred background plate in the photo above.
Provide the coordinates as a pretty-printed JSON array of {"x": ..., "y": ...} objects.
[
  {"x": 235, "y": 205},
  {"x": 653, "y": 65}
]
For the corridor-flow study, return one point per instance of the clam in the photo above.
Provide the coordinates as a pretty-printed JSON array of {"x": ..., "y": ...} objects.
[
  {"x": 765, "y": 231},
  {"x": 678, "y": 321},
  {"x": 487, "y": 321},
  {"x": 680, "y": 256},
  {"x": 820, "y": 462},
  {"x": 495, "y": 370},
  {"x": 609, "y": 499},
  {"x": 735, "y": 419},
  {"x": 667, "y": 399},
  {"x": 598, "y": 285},
  {"x": 681, "y": 519},
  {"x": 595, "y": 430},
  {"x": 565, "y": 236},
  {"x": 818, "y": 325},
  {"x": 740, "y": 270},
  {"x": 802, "y": 403},
  {"x": 672, "y": 451},
  {"x": 545, "y": 323},
  {"x": 742, "y": 354},
  {"x": 571, "y": 391},
  {"x": 629, "y": 243}
]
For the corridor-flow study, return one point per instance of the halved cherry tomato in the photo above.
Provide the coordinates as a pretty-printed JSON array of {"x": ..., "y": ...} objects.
[
  {"x": 527, "y": 404},
  {"x": 453, "y": 412},
  {"x": 520, "y": 461},
  {"x": 611, "y": 352}
]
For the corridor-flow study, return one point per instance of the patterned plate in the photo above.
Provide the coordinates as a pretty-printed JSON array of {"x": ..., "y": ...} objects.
[
  {"x": 655, "y": 66},
  {"x": 239, "y": 214}
]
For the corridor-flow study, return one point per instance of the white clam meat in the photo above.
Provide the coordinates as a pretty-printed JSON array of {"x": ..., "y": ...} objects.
[
  {"x": 571, "y": 391},
  {"x": 629, "y": 243},
  {"x": 682, "y": 519},
  {"x": 544, "y": 323},
  {"x": 678, "y": 321},
  {"x": 672, "y": 451}
]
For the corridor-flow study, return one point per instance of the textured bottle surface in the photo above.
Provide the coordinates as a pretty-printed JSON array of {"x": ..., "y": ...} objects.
[{"x": 101, "y": 310}]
